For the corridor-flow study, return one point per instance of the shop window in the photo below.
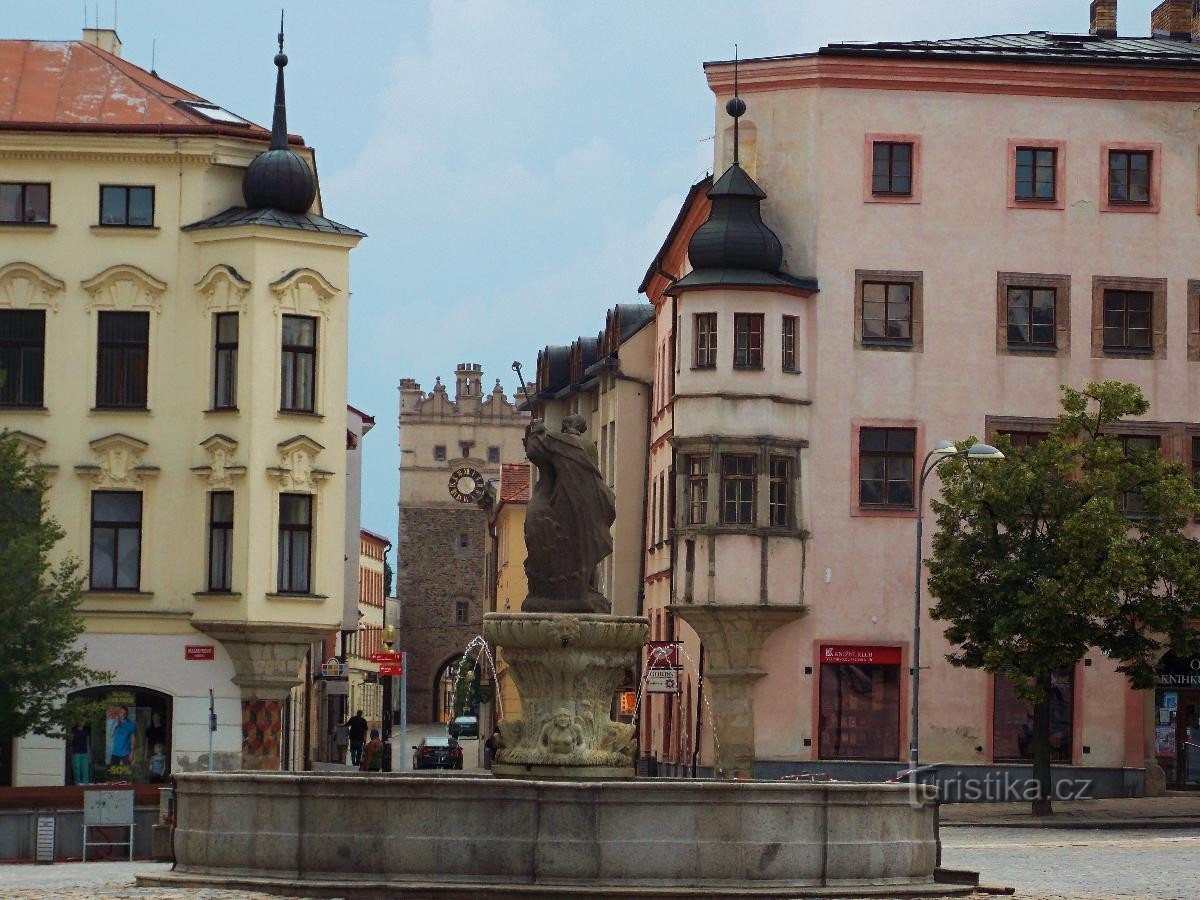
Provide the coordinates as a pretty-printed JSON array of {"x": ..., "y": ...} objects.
[
  {"x": 127, "y": 738},
  {"x": 24, "y": 204},
  {"x": 697, "y": 489},
  {"x": 116, "y": 541},
  {"x": 22, "y": 356},
  {"x": 737, "y": 489},
  {"x": 128, "y": 206},
  {"x": 225, "y": 360},
  {"x": 859, "y": 703},
  {"x": 1012, "y": 721},
  {"x": 122, "y": 360},
  {"x": 299, "y": 364},
  {"x": 295, "y": 543}
]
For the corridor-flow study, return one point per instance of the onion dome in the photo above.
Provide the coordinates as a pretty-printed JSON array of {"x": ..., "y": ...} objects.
[{"x": 279, "y": 178}]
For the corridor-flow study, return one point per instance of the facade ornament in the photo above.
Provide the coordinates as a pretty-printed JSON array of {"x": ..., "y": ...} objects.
[
  {"x": 296, "y": 469},
  {"x": 124, "y": 287},
  {"x": 118, "y": 462},
  {"x": 24, "y": 286},
  {"x": 221, "y": 469},
  {"x": 32, "y": 446},
  {"x": 223, "y": 288},
  {"x": 303, "y": 291}
]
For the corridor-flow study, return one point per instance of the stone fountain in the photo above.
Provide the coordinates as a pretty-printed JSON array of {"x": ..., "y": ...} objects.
[{"x": 561, "y": 815}]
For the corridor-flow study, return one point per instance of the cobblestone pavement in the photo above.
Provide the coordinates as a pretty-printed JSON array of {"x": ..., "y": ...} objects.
[{"x": 100, "y": 880}]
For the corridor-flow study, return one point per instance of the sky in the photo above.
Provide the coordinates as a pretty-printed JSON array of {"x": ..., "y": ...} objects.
[{"x": 515, "y": 164}]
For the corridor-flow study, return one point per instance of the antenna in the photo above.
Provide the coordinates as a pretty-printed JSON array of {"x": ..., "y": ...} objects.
[{"x": 153, "y": 55}]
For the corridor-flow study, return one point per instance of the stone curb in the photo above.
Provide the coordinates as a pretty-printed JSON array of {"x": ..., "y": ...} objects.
[{"x": 1050, "y": 822}]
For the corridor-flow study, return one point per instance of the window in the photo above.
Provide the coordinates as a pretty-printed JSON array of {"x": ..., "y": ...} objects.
[
  {"x": 886, "y": 312},
  {"x": 706, "y": 340},
  {"x": 697, "y": 489},
  {"x": 24, "y": 204},
  {"x": 116, "y": 540},
  {"x": 225, "y": 361},
  {"x": 737, "y": 489},
  {"x": 781, "y": 491},
  {"x": 1132, "y": 503},
  {"x": 1035, "y": 173},
  {"x": 295, "y": 543},
  {"x": 220, "y": 541},
  {"x": 465, "y": 450},
  {"x": 1129, "y": 176},
  {"x": 1023, "y": 440},
  {"x": 859, "y": 703},
  {"x": 493, "y": 454},
  {"x": 22, "y": 357},
  {"x": 747, "y": 340},
  {"x": 1031, "y": 317},
  {"x": 1127, "y": 320},
  {"x": 892, "y": 168},
  {"x": 464, "y": 540},
  {"x": 885, "y": 467},
  {"x": 462, "y": 612},
  {"x": 439, "y": 453},
  {"x": 299, "y": 364},
  {"x": 121, "y": 360},
  {"x": 130, "y": 206},
  {"x": 1012, "y": 721},
  {"x": 789, "y": 343}
]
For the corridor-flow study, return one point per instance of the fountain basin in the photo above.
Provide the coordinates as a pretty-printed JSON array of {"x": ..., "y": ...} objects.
[{"x": 416, "y": 835}]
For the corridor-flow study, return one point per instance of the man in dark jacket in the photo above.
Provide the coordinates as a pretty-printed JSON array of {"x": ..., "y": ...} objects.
[{"x": 357, "y": 726}]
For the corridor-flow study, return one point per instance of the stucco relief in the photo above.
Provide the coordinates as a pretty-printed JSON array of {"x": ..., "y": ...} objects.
[
  {"x": 32, "y": 446},
  {"x": 297, "y": 469},
  {"x": 221, "y": 468},
  {"x": 223, "y": 288},
  {"x": 304, "y": 291},
  {"x": 25, "y": 286},
  {"x": 124, "y": 287},
  {"x": 118, "y": 462}
]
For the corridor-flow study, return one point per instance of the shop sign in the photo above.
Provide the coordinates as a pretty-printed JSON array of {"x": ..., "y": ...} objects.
[
  {"x": 662, "y": 681},
  {"x": 1176, "y": 672},
  {"x": 385, "y": 656},
  {"x": 199, "y": 652},
  {"x": 662, "y": 654},
  {"x": 860, "y": 656}
]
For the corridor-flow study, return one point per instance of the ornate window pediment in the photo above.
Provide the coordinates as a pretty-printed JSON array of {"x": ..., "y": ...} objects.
[
  {"x": 32, "y": 446},
  {"x": 223, "y": 287},
  {"x": 23, "y": 285},
  {"x": 297, "y": 469},
  {"x": 221, "y": 469},
  {"x": 118, "y": 462},
  {"x": 125, "y": 287},
  {"x": 304, "y": 291}
]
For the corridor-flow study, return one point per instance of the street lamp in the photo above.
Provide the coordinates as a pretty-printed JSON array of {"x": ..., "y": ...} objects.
[{"x": 943, "y": 451}]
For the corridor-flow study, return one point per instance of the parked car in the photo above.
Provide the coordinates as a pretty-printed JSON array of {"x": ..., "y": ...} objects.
[
  {"x": 464, "y": 726},
  {"x": 437, "y": 752}
]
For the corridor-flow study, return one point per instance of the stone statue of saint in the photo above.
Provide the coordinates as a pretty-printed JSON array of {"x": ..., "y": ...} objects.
[{"x": 567, "y": 521}]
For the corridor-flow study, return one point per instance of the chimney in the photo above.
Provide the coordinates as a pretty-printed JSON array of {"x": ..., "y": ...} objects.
[
  {"x": 1172, "y": 19},
  {"x": 1104, "y": 18},
  {"x": 104, "y": 38}
]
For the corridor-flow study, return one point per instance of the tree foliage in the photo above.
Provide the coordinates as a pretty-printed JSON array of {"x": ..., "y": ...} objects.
[
  {"x": 1065, "y": 546},
  {"x": 41, "y": 659}
]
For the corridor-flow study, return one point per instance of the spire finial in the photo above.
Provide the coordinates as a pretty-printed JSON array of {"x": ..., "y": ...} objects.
[
  {"x": 279, "y": 139},
  {"x": 281, "y": 31},
  {"x": 736, "y": 107}
]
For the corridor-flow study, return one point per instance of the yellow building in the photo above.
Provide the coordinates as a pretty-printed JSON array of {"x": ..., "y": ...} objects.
[
  {"x": 505, "y": 565},
  {"x": 173, "y": 325}
]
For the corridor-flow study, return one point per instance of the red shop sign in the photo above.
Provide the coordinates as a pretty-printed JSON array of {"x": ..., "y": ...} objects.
[
  {"x": 859, "y": 656},
  {"x": 200, "y": 652},
  {"x": 662, "y": 654}
]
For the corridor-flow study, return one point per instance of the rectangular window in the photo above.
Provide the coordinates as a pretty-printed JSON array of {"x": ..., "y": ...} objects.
[
  {"x": 220, "y": 541},
  {"x": 299, "y": 375},
  {"x": 462, "y": 612},
  {"x": 860, "y": 703},
  {"x": 24, "y": 204},
  {"x": 697, "y": 489},
  {"x": 439, "y": 453},
  {"x": 1031, "y": 316},
  {"x": 891, "y": 168},
  {"x": 887, "y": 312},
  {"x": 1022, "y": 440},
  {"x": 747, "y": 340},
  {"x": 1012, "y": 721},
  {"x": 126, "y": 205},
  {"x": 1132, "y": 503},
  {"x": 116, "y": 541},
  {"x": 737, "y": 489},
  {"x": 123, "y": 350},
  {"x": 1035, "y": 173},
  {"x": 465, "y": 450},
  {"x": 295, "y": 543},
  {"x": 781, "y": 491},
  {"x": 1127, "y": 320},
  {"x": 885, "y": 467},
  {"x": 789, "y": 343},
  {"x": 225, "y": 352},
  {"x": 22, "y": 357},
  {"x": 706, "y": 340},
  {"x": 1129, "y": 176},
  {"x": 493, "y": 454}
]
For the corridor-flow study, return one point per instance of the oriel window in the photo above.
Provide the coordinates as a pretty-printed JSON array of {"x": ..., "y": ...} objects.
[
  {"x": 737, "y": 489},
  {"x": 747, "y": 341},
  {"x": 22, "y": 356},
  {"x": 127, "y": 205},
  {"x": 1129, "y": 176},
  {"x": 122, "y": 359},
  {"x": 24, "y": 204},
  {"x": 885, "y": 467},
  {"x": 781, "y": 491},
  {"x": 295, "y": 543},
  {"x": 706, "y": 340},
  {"x": 891, "y": 168},
  {"x": 697, "y": 489},
  {"x": 1035, "y": 173},
  {"x": 116, "y": 541},
  {"x": 299, "y": 375},
  {"x": 225, "y": 356},
  {"x": 789, "y": 343},
  {"x": 220, "y": 541}
]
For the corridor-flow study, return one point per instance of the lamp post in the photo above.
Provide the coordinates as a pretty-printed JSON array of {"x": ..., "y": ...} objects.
[{"x": 943, "y": 451}]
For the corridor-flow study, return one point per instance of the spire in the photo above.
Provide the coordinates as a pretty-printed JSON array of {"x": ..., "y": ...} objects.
[
  {"x": 279, "y": 121},
  {"x": 736, "y": 107}
]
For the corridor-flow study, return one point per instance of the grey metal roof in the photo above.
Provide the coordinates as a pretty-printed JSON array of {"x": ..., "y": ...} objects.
[
  {"x": 274, "y": 218},
  {"x": 741, "y": 278}
]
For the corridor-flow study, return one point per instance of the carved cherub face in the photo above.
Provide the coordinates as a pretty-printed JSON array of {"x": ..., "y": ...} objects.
[{"x": 562, "y": 718}]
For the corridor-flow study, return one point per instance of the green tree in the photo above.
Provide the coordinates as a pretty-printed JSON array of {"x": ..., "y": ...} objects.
[
  {"x": 40, "y": 657},
  {"x": 1072, "y": 544}
]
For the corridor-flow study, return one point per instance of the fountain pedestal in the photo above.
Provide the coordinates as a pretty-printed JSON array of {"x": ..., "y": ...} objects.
[{"x": 566, "y": 667}]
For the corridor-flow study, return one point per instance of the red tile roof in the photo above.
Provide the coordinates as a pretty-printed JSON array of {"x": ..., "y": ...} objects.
[
  {"x": 514, "y": 483},
  {"x": 75, "y": 86}
]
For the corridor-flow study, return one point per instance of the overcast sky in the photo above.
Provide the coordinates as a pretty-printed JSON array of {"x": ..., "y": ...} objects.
[{"x": 515, "y": 164}]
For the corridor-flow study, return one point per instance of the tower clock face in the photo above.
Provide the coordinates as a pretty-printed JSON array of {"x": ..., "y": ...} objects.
[{"x": 466, "y": 485}]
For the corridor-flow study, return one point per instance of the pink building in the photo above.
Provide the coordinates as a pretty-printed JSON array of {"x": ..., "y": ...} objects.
[{"x": 906, "y": 242}]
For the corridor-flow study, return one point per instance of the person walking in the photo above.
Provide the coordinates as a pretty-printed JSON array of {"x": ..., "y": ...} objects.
[
  {"x": 372, "y": 753},
  {"x": 357, "y": 726}
]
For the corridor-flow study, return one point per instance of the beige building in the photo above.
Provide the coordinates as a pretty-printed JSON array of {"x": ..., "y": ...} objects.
[
  {"x": 507, "y": 587},
  {"x": 173, "y": 322}
]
